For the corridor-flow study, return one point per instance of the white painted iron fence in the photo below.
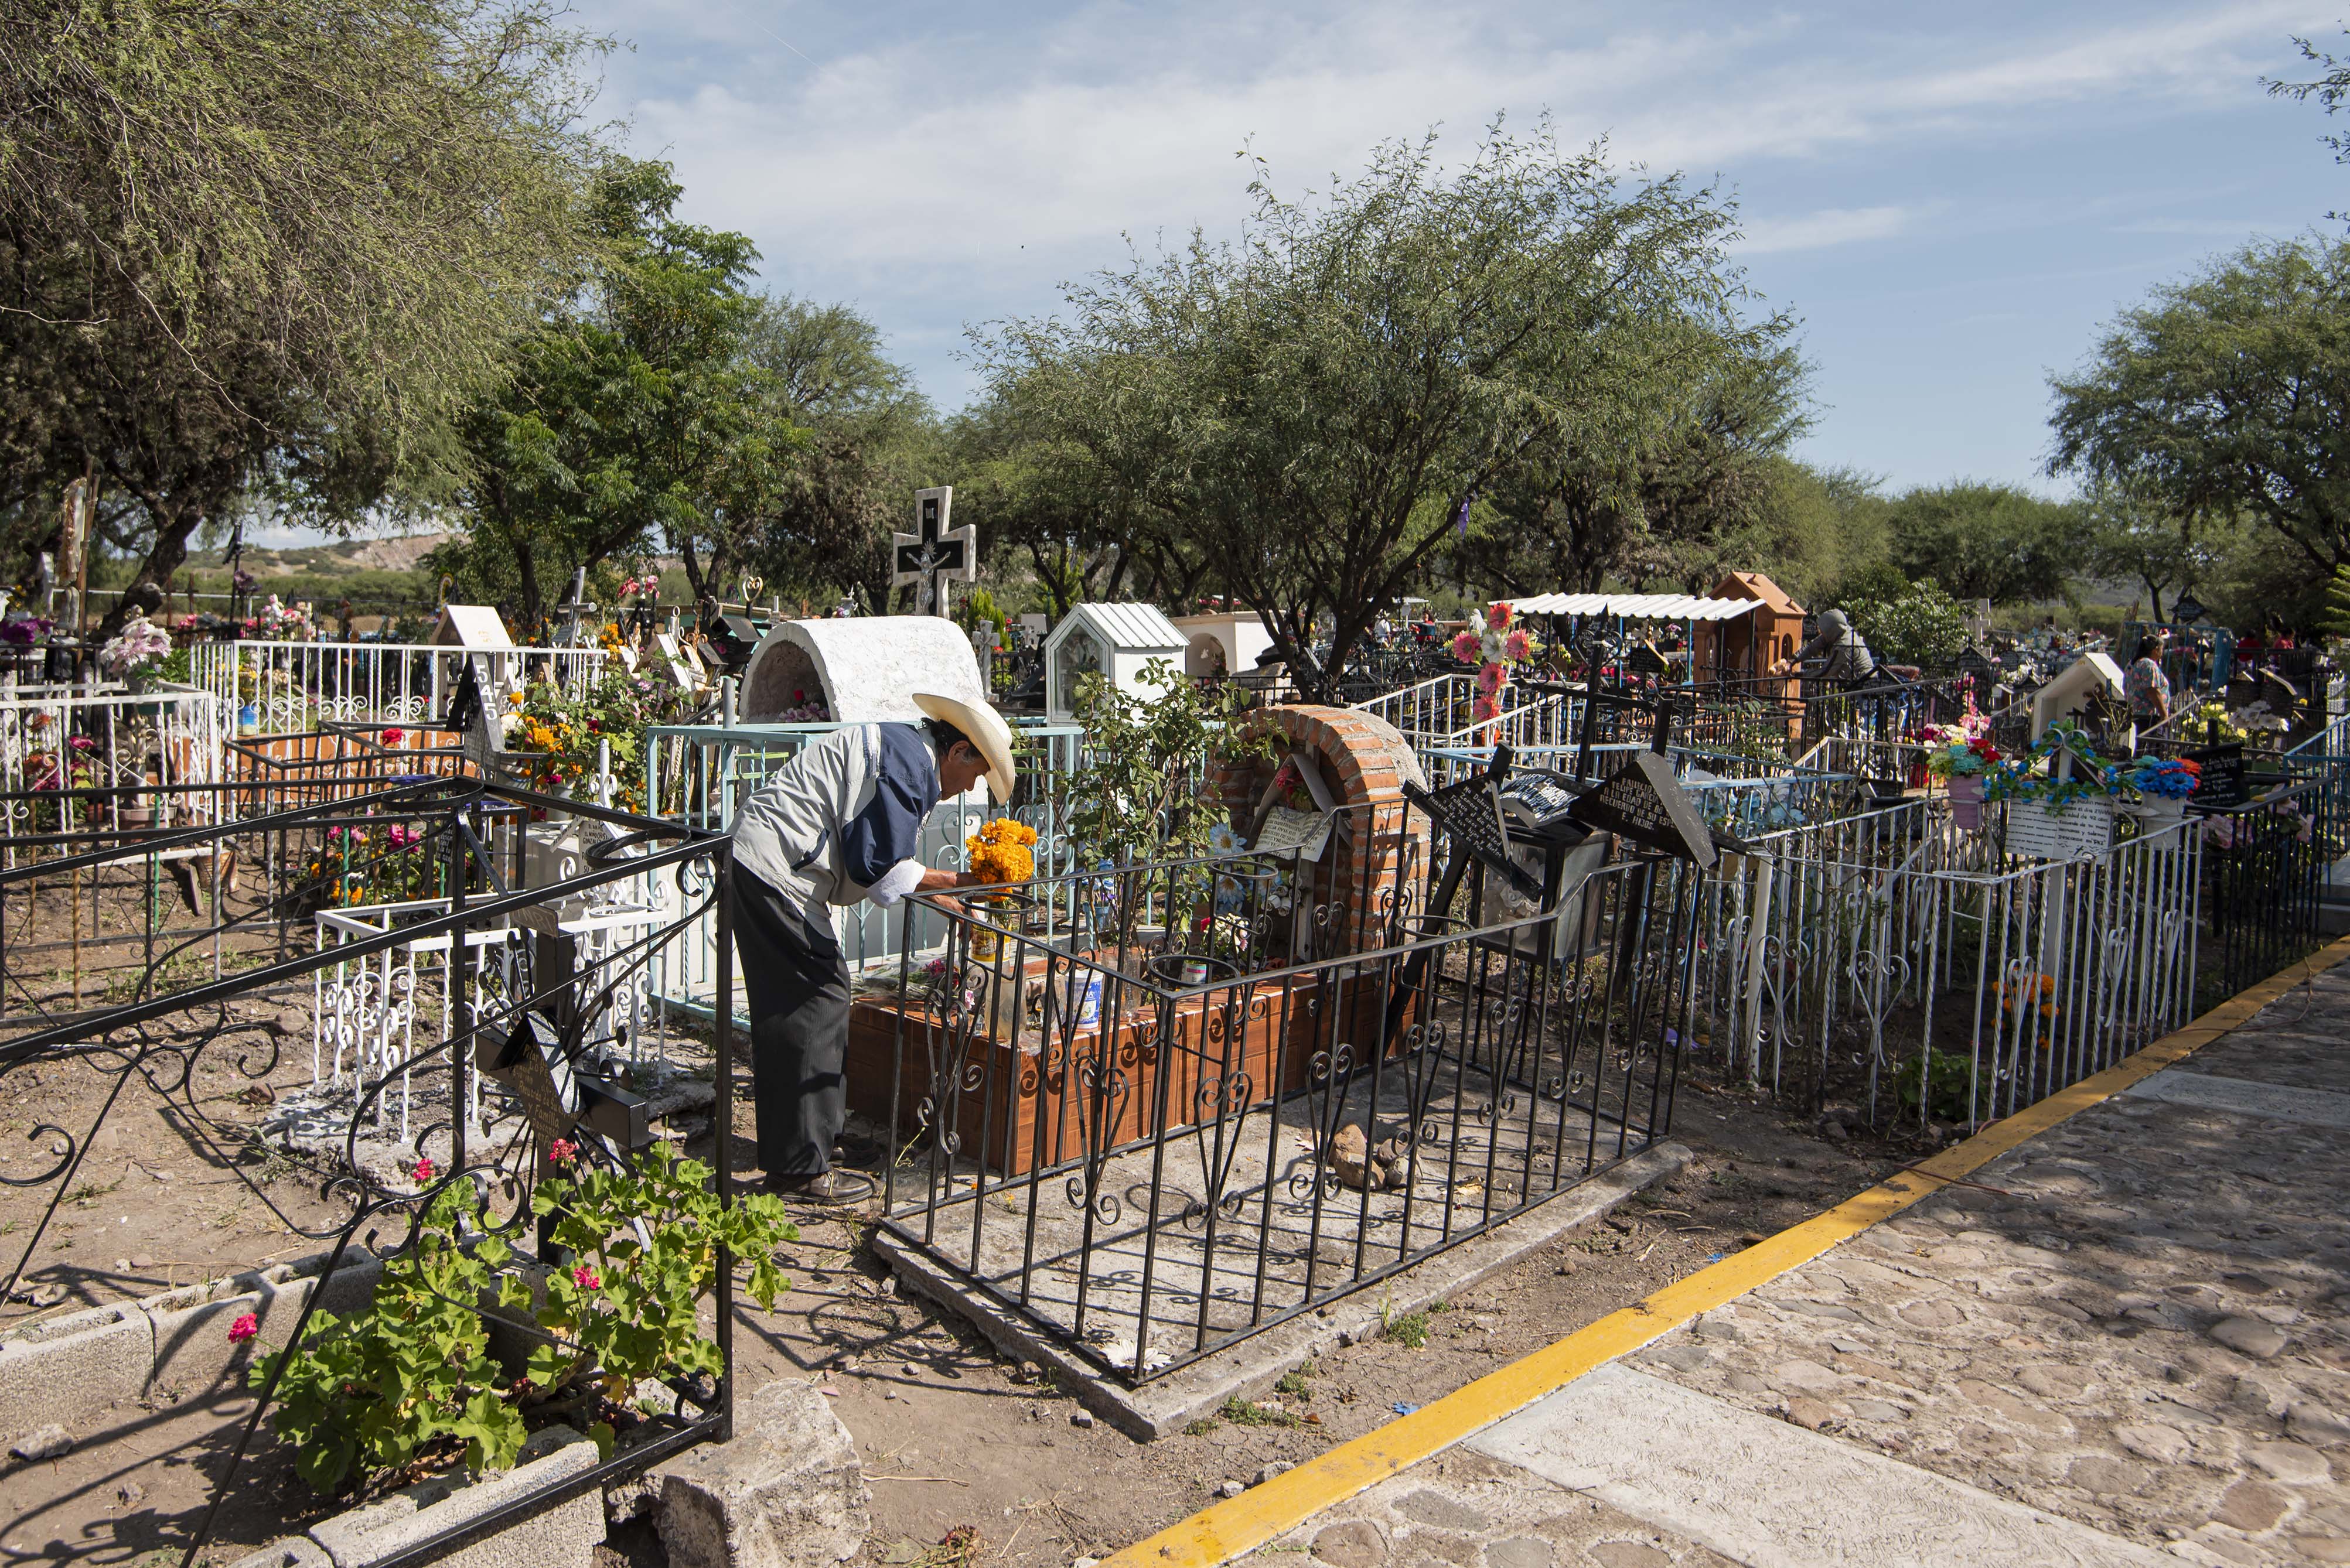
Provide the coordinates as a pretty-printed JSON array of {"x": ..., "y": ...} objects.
[
  {"x": 1916, "y": 970},
  {"x": 292, "y": 685},
  {"x": 154, "y": 755}
]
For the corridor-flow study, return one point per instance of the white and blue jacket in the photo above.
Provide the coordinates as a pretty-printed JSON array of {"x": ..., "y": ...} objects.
[{"x": 842, "y": 821}]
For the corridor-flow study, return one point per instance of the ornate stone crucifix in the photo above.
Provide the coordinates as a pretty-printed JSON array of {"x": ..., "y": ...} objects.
[{"x": 934, "y": 553}]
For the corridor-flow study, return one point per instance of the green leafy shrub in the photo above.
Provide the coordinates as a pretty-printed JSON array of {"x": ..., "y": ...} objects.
[
  {"x": 626, "y": 1308},
  {"x": 1134, "y": 800},
  {"x": 410, "y": 1379},
  {"x": 1942, "y": 1079},
  {"x": 1919, "y": 625},
  {"x": 411, "y": 1374}
]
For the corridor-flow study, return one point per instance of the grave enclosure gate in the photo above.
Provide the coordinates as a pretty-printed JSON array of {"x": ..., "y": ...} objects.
[
  {"x": 487, "y": 1138},
  {"x": 1153, "y": 1111}
]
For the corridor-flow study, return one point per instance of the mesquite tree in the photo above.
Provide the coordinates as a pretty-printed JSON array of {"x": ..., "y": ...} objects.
[
  {"x": 272, "y": 241},
  {"x": 1312, "y": 407}
]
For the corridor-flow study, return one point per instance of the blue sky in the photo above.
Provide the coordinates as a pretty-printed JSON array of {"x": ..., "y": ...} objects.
[{"x": 1953, "y": 198}]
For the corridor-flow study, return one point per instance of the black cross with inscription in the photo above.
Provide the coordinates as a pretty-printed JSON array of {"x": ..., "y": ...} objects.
[{"x": 934, "y": 550}]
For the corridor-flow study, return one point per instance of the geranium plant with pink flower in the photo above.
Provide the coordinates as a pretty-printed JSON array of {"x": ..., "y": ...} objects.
[{"x": 409, "y": 1379}]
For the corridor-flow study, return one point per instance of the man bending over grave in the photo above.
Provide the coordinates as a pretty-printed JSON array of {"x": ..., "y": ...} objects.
[{"x": 838, "y": 823}]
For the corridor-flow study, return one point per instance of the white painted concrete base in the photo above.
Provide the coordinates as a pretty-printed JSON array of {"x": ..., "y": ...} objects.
[
  {"x": 1769, "y": 1494},
  {"x": 2275, "y": 1102}
]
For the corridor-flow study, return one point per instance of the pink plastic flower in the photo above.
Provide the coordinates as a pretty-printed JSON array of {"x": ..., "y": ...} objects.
[
  {"x": 561, "y": 1151},
  {"x": 586, "y": 1278},
  {"x": 82, "y": 743},
  {"x": 334, "y": 833},
  {"x": 1497, "y": 618},
  {"x": 393, "y": 737},
  {"x": 1466, "y": 646},
  {"x": 423, "y": 1170},
  {"x": 1483, "y": 708},
  {"x": 244, "y": 1328},
  {"x": 1517, "y": 645},
  {"x": 1490, "y": 678}
]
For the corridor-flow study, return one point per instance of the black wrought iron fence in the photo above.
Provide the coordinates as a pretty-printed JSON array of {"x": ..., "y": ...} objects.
[
  {"x": 513, "y": 1091},
  {"x": 2267, "y": 863},
  {"x": 1152, "y": 1143}
]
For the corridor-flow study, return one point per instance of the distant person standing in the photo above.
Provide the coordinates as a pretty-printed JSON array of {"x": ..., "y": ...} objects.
[
  {"x": 2146, "y": 686},
  {"x": 1845, "y": 659}
]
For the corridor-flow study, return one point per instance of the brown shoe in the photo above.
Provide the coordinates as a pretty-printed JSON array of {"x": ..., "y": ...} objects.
[{"x": 841, "y": 1187}]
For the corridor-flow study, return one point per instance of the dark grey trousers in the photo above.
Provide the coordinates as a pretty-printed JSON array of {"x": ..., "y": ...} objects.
[{"x": 798, "y": 988}]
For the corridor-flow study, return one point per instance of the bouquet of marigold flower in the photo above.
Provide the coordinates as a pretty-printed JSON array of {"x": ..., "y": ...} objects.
[{"x": 1000, "y": 851}]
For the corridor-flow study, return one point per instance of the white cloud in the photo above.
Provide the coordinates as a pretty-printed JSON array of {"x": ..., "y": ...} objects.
[
  {"x": 1829, "y": 226},
  {"x": 947, "y": 166},
  {"x": 901, "y": 155}
]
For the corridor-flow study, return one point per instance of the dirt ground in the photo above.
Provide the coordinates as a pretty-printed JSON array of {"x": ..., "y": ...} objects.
[
  {"x": 970, "y": 1461},
  {"x": 953, "y": 1439}
]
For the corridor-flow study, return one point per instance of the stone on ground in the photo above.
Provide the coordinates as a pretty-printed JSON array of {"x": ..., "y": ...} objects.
[{"x": 786, "y": 1492}]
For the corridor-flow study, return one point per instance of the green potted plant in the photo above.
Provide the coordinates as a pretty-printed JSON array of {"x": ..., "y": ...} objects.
[{"x": 1134, "y": 800}]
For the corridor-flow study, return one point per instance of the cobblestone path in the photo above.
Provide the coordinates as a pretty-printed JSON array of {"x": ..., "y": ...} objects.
[{"x": 2126, "y": 1342}]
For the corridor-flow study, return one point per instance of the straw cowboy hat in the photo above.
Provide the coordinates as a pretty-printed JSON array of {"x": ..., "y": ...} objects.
[{"x": 984, "y": 728}]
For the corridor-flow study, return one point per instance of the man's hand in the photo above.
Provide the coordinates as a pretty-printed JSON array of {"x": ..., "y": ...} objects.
[{"x": 938, "y": 879}]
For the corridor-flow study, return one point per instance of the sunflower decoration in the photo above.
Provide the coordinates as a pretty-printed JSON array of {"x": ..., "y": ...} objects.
[{"x": 1001, "y": 851}]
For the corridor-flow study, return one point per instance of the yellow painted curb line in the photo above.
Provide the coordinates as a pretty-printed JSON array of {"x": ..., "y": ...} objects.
[{"x": 1219, "y": 1533}]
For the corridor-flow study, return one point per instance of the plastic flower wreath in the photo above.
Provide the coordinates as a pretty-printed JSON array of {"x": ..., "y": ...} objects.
[
  {"x": 2164, "y": 778},
  {"x": 1494, "y": 643},
  {"x": 279, "y": 621},
  {"x": 2030, "y": 777},
  {"x": 137, "y": 648}
]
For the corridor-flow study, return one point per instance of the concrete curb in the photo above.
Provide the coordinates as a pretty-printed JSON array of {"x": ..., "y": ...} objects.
[
  {"x": 1167, "y": 1404},
  {"x": 172, "y": 1346},
  {"x": 565, "y": 1536}
]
